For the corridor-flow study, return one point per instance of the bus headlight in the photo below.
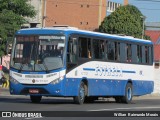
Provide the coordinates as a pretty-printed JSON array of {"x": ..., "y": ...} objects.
[
  {"x": 13, "y": 80},
  {"x": 57, "y": 80}
]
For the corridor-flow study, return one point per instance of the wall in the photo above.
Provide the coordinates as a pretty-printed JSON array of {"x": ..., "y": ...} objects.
[
  {"x": 38, "y": 5},
  {"x": 157, "y": 80},
  {"x": 83, "y": 14}
]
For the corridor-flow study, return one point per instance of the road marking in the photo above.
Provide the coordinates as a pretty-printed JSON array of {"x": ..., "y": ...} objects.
[{"x": 149, "y": 107}]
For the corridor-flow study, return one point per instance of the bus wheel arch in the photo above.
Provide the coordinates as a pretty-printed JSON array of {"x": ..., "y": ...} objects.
[{"x": 85, "y": 86}]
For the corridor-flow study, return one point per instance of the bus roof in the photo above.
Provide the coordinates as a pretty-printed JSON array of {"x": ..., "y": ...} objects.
[{"x": 72, "y": 30}]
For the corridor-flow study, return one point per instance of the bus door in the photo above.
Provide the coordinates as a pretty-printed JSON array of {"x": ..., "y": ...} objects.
[{"x": 72, "y": 53}]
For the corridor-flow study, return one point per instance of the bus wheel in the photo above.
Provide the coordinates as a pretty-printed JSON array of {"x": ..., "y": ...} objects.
[
  {"x": 35, "y": 99},
  {"x": 81, "y": 94},
  {"x": 128, "y": 94}
]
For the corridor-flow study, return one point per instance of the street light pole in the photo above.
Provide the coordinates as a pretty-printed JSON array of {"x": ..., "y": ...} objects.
[{"x": 143, "y": 18}]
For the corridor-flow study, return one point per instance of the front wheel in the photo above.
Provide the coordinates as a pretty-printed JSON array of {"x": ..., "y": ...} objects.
[
  {"x": 81, "y": 94},
  {"x": 128, "y": 94},
  {"x": 35, "y": 99}
]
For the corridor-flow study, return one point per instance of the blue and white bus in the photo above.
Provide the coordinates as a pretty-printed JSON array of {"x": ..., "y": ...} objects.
[{"x": 85, "y": 65}]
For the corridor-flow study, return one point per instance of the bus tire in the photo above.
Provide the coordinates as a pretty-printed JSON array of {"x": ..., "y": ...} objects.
[
  {"x": 81, "y": 94},
  {"x": 35, "y": 99},
  {"x": 128, "y": 94}
]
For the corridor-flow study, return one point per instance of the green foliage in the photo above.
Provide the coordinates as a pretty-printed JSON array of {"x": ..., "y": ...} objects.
[
  {"x": 13, "y": 14},
  {"x": 125, "y": 20}
]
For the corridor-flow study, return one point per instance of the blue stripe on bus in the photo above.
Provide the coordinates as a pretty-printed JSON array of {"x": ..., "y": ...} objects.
[
  {"x": 126, "y": 71},
  {"x": 89, "y": 69}
]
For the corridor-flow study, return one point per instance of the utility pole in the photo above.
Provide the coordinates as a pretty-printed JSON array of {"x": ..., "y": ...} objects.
[
  {"x": 43, "y": 12},
  {"x": 143, "y": 18}
]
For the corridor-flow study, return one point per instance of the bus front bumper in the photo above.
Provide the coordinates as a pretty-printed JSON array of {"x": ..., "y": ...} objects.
[{"x": 37, "y": 89}]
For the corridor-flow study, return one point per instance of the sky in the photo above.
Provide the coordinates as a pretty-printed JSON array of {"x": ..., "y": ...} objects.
[{"x": 149, "y": 8}]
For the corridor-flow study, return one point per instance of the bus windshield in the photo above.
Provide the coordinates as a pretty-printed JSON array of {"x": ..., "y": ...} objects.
[{"x": 38, "y": 53}]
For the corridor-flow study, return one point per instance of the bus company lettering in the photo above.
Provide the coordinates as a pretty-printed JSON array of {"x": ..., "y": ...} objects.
[{"x": 103, "y": 70}]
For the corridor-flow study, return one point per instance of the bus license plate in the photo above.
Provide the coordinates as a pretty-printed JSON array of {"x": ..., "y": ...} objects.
[{"x": 33, "y": 91}]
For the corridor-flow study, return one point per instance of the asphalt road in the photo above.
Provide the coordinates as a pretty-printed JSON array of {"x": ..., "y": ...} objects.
[{"x": 65, "y": 107}]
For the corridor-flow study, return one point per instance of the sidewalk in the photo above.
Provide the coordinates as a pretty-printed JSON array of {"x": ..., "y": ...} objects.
[{"x": 4, "y": 91}]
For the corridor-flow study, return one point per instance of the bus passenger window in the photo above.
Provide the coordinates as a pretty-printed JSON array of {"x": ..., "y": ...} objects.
[
  {"x": 89, "y": 49},
  {"x": 111, "y": 52},
  {"x": 85, "y": 47},
  {"x": 101, "y": 54},
  {"x": 117, "y": 51},
  {"x": 89, "y": 52},
  {"x": 139, "y": 54},
  {"x": 147, "y": 54},
  {"x": 106, "y": 50},
  {"x": 129, "y": 52},
  {"x": 72, "y": 50},
  {"x": 96, "y": 48}
]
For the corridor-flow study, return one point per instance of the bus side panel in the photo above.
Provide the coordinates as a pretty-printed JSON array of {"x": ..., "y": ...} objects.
[
  {"x": 110, "y": 79},
  {"x": 103, "y": 87},
  {"x": 117, "y": 87},
  {"x": 72, "y": 86},
  {"x": 96, "y": 87},
  {"x": 142, "y": 87}
]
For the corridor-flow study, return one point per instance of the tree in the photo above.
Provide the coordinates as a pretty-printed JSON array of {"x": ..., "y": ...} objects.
[
  {"x": 126, "y": 20},
  {"x": 13, "y": 14}
]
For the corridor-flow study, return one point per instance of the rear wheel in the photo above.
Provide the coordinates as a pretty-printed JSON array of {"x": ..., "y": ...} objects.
[
  {"x": 35, "y": 99},
  {"x": 128, "y": 94},
  {"x": 81, "y": 94}
]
